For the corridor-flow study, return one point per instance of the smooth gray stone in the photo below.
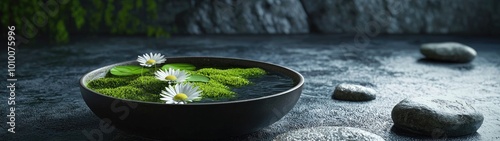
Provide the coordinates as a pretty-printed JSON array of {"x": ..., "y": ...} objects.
[
  {"x": 448, "y": 51},
  {"x": 328, "y": 133},
  {"x": 436, "y": 116},
  {"x": 353, "y": 92}
]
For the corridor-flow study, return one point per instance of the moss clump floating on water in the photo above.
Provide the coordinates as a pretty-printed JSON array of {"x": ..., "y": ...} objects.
[
  {"x": 102, "y": 83},
  {"x": 213, "y": 89},
  {"x": 238, "y": 72},
  {"x": 149, "y": 84},
  {"x": 230, "y": 80},
  {"x": 129, "y": 92},
  {"x": 148, "y": 88}
]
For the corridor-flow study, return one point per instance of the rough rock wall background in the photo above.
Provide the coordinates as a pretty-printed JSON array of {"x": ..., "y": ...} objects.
[
  {"x": 251, "y": 16},
  {"x": 401, "y": 16},
  {"x": 331, "y": 16}
]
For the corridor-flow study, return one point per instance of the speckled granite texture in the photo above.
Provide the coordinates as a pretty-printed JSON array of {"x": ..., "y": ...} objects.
[{"x": 50, "y": 106}]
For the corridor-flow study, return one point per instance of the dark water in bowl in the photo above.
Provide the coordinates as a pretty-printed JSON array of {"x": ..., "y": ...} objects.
[{"x": 269, "y": 84}]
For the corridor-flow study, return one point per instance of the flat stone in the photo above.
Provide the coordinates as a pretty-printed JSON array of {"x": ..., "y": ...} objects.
[
  {"x": 328, "y": 133},
  {"x": 448, "y": 51},
  {"x": 430, "y": 116},
  {"x": 353, "y": 92}
]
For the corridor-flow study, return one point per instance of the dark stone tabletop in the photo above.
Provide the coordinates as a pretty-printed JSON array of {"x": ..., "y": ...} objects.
[{"x": 49, "y": 105}]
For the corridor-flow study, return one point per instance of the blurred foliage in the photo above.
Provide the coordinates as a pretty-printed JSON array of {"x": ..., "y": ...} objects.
[{"x": 95, "y": 16}]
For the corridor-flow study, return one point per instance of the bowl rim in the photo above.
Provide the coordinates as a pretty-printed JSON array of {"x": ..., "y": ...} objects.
[{"x": 297, "y": 86}]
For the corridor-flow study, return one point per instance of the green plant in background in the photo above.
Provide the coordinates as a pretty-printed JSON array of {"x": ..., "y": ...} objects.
[{"x": 95, "y": 16}]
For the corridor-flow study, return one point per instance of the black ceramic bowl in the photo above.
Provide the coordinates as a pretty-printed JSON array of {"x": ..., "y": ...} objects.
[{"x": 194, "y": 120}]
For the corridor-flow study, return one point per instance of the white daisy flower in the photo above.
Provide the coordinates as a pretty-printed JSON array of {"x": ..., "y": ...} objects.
[
  {"x": 151, "y": 59},
  {"x": 180, "y": 94},
  {"x": 171, "y": 75}
]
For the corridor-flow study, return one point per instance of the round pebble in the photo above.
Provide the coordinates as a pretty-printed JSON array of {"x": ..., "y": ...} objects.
[
  {"x": 328, "y": 133},
  {"x": 353, "y": 92},
  {"x": 436, "y": 116},
  {"x": 448, "y": 51}
]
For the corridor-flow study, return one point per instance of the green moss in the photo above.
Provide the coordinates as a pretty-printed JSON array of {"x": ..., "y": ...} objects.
[
  {"x": 214, "y": 89},
  {"x": 220, "y": 80},
  {"x": 148, "y": 88},
  {"x": 149, "y": 84},
  {"x": 129, "y": 92},
  {"x": 239, "y": 72},
  {"x": 230, "y": 80},
  {"x": 107, "y": 83}
]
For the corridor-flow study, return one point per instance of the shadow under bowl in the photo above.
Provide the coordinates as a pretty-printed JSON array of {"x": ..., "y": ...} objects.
[{"x": 194, "y": 121}]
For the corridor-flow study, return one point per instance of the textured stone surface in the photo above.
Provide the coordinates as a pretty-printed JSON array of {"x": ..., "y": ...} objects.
[
  {"x": 437, "y": 114},
  {"x": 328, "y": 134},
  {"x": 366, "y": 18},
  {"x": 247, "y": 17},
  {"x": 448, "y": 51},
  {"x": 402, "y": 16},
  {"x": 353, "y": 92},
  {"x": 50, "y": 107}
]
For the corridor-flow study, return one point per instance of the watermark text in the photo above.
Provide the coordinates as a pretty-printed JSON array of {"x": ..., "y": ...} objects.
[{"x": 11, "y": 79}]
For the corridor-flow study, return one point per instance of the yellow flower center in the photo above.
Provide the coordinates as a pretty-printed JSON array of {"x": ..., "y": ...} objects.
[
  {"x": 171, "y": 78},
  {"x": 180, "y": 97},
  {"x": 150, "y": 62}
]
